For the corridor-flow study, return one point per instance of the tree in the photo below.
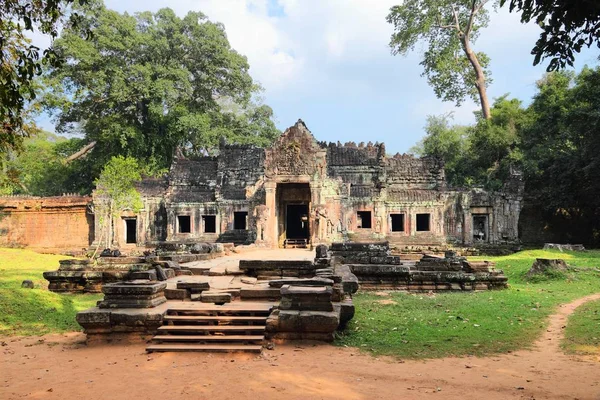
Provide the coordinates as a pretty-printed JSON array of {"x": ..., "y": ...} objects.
[
  {"x": 150, "y": 83},
  {"x": 41, "y": 169},
  {"x": 448, "y": 144},
  {"x": 448, "y": 28},
  {"x": 481, "y": 154},
  {"x": 21, "y": 62},
  {"x": 115, "y": 192},
  {"x": 567, "y": 26}
]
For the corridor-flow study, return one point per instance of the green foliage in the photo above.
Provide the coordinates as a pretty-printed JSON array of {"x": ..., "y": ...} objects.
[
  {"x": 40, "y": 168},
  {"x": 567, "y": 26},
  {"x": 150, "y": 83},
  {"x": 482, "y": 154},
  {"x": 561, "y": 151},
  {"x": 35, "y": 311},
  {"x": 446, "y": 143},
  {"x": 448, "y": 28},
  {"x": 21, "y": 62},
  {"x": 117, "y": 185},
  {"x": 457, "y": 324},
  {"x": 582, "y": 335}
]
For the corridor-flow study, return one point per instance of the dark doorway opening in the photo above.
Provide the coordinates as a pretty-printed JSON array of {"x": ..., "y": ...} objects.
[
  {"x": 423, "y": 222},
  {"x": 184, "y": 223},
  {"x": 210, "y": 223},
  {"x": 480, "y": 227},
  {"x": 397, "y": 222},
  {"x": 363, "y": 219},
  {"x": 297, "y": 221},
  {"x": 131, "y": 230},
  {"x": 239, "y": 220}
]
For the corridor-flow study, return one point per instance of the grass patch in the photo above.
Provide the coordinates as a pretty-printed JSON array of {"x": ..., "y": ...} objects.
[
  {"x": 582, "y": 335},
  {"x": 36, "y": 311},
  {"x": 456, "y": 324}
]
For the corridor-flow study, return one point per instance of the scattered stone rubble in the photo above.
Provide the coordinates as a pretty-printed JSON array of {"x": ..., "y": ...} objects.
[
  {"x": 305, "y": 299},
  {"x": 376, "y": 269},
  {"x": 88, "y": 275},
  {"x": 563, "y": 247}
]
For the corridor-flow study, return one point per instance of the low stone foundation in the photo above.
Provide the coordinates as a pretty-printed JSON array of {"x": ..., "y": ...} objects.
[
  {"x": 429, "y": 273},
  {"x": 88, "y": 275},
  {"x": 272, "y": 269}
]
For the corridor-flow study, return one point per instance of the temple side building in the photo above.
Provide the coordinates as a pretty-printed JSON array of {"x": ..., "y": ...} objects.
[{"x": 302, "y": 191}]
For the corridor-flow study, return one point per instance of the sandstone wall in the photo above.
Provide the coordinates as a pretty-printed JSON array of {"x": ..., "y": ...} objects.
[{"x": 46, "y": 222}]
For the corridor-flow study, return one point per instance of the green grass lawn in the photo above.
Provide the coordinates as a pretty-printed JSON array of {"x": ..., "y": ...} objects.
[
  {"x": 582, "y": 335},
  {"x": 35, "y": 311},
  {"x": 457, "y": 324}
]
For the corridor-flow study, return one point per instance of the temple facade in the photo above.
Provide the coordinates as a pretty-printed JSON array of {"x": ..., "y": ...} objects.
[{"x": 301, "y": 192}]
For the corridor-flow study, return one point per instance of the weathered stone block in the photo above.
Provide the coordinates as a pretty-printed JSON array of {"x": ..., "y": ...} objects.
[
  {"x": 193, "y": 287},
  {"x": 134, "y": 288},
  {"x": 145, "y": 275},
  {"x": 176, "y": 294},
  {"x": 308, "y": 321},
  {"x": 306, "y": 298},
  {"x": 278, "y": 283},
  {"x": 215, "y": 297},
  {"x": 255, "y": 293}
]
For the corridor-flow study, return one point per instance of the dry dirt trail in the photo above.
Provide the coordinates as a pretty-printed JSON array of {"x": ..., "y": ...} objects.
[{"x": 62, "y": 367}]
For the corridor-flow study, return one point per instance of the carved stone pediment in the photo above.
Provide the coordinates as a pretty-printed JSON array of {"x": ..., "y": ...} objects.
[{"x": 296, "y": 152}]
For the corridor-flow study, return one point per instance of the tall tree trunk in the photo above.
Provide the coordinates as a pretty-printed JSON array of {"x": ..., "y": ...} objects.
[{"x": 479, "y": 78}]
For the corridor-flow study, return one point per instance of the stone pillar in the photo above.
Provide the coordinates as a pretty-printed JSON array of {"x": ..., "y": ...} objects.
[
  {"x": 467, "y": 228},
  {"x": 271, "y": 234}
]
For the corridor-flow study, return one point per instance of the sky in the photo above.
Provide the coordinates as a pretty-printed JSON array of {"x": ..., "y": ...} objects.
[{"x": 328, "y": 63}]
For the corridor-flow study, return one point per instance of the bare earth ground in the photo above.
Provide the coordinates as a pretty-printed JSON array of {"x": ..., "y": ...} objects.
[{"x": 63, "y": 367}]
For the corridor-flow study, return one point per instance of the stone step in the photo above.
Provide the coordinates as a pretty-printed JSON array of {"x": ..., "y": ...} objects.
[
  {"x": 200, "y": 318},
  {"x": 208, "y": 338},
  {"x": 230, "y": 308},
  {"x": 222, "y": 348},
  {"x": 212, "y": 328}
]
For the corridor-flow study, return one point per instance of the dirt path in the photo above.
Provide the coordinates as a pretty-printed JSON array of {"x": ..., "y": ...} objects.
[{"x": 63, "y": 367}]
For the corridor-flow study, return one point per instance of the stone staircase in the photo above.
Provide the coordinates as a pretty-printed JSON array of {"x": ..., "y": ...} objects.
[{"x": 212, "y": 329}]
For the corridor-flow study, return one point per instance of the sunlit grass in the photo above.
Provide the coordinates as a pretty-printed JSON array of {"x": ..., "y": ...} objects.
[
  {"x": 427, "y": 326},
  {"x": 35, "y": 311},
  {"x": 582, "y": 335}
]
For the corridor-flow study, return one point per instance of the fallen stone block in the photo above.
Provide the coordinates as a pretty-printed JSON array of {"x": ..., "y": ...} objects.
[
  {"x": 149, "y": 275},
  {"x": 306, "y": 298},
  {"x": 215, "y": 297},
  {"x": 278, "y": 283},
  {"x": 248, "y": 280},
  {"x": 176, "y": 294}
]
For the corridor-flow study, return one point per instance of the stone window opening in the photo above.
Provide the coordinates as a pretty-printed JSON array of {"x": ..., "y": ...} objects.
[
  {"x": 363, "y": 220},
  {"x": 423, "y": 222},
  {"x": 130, "y": 230},
  {"x": 397, "y": 222},
  {"x": 184, "y": 223},
  {"x": 240, "y": 219},
  {"x": 209, "y": 222}
]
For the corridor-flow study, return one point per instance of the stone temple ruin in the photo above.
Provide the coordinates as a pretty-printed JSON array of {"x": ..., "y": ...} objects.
[
  {"x": 241, "y": 304},
  {"x": 352, "y": 203},
  {"x": 302, "y": 192}
]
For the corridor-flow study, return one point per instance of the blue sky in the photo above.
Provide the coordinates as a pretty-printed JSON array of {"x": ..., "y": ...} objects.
[{"x": 328, "y": 62}]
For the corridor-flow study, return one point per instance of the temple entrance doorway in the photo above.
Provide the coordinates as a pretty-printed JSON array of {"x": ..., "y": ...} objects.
[
  {"x": 296, "y": 221},
  {"x": 293, "y": 203}
]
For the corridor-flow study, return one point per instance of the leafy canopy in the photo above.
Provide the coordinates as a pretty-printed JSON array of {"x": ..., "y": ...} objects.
[
  {"x": 567, "y": 27},
  {"x": 147, "y": 84},
  {"x": 447, "y": 29},
  {"x": 21, "y": 62},
  {"x": 117, "y": 183}
]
